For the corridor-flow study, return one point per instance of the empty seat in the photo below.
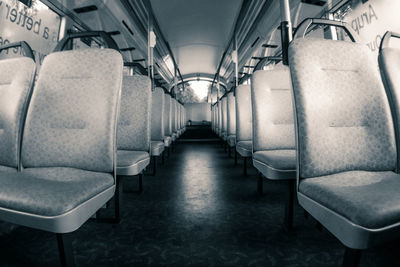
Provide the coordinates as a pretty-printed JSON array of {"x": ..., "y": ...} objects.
[
  {"x": 133, "y": 135},
  {"x": 274, "y": 151},
  {"x": 212, "y": 118},
  {"x": 389, "y": 66},
  {"x": 219, "y": 113},
  {"x": 68, "y": 144},
  {"x": 244, "y": 144},
  {"x": 173, "y": 119},
  {"x": 231, "y": 121},
  {"x": 167, "y": 121},
  {"x": 157, "y": 126},
  {"x": 16, "y": 78},
  {"x": 346, "y": 143},
  {"x": 183, "y": 118},
  {"x": 224, "y": 113},
  {"x": 178, "y": 118}
]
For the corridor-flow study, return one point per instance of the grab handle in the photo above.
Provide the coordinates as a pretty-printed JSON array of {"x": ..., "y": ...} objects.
[
  {"x": 317, "y": 21},
  {"x": 24, "y": 46},
  {"x": 108, "y": 40}
]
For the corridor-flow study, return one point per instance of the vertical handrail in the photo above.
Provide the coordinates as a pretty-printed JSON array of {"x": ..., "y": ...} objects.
[{"x": 286, "y": 30}]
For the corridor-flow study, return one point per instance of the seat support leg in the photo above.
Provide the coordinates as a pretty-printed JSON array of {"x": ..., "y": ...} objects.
[
  {"x": 154, "y": 158},
  {"x": 65, "y": 250},
  {"x": 351, "y": 257},
  {"x": 169, "y": 153},
  {"x": 140, "y": 182},
  {"x": 235, "y": 157},
  {"x": 245, "y": 166},
  {"x": 229, "y": 151},
  {"x": 163, "y": 158},
  {"x": 289, "y": 205},
  {"x": 117, "y": 200},
  {"x": 260, "y": 183}
]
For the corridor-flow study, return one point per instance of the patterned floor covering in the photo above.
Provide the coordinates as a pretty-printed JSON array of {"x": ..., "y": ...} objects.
[{"x": 197, "y": 211}]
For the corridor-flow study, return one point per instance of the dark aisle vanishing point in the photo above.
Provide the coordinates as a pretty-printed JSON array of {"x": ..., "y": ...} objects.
[{"x": 198, "y": 211}]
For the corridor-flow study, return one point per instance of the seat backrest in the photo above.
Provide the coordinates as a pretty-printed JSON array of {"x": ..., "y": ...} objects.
[
  {"x": 389, "y": 65},
  {"x": 72, "y": 116},
  {"x": 273, "y": 124},
  {"x": 16, "y": 78},
  {"x": 167, "y": 115},
  {"x": 173, "y": 115},
  {"x": 178, "y": 121},
  {"x": 220, "y": 117},
  {"x": 134, "y": 120},
  {"x": 157, "y": 118},
  {"x": 224, "y": 114},
  {"x": 342, "y": 111},
  {"x": 212, "y": 117},
  {"x": 243, "y": 113},
  {"x": 231, "y": 128}
]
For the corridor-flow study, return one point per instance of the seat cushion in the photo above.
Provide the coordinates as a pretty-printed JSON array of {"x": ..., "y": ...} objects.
[
  {"x": 276, "y": 164},
  {"x": 231, "y": 140},
  {"x": 368, "y": 199},
  {"x": 157, "y": 147},
  {"x": 167, "y": 141},
  {"x": 245, "y": 148},
  {"x": 277, "y": 159},
  {"x": 7, "y": 169},
  {"x": 50, "y": 191},
  {"x": 131, "y": 162},
  {"x": 223, "y": 136}
]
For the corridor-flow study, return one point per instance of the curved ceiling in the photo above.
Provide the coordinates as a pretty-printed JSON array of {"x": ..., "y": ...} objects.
[{"x": 197, "y": 31}]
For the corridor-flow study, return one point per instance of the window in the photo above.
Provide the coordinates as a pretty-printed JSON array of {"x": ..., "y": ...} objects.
[
  {"x": 37, "y": 25},
  {"x": 370, "y": 19},
  {"x": 194, "y": 92}
]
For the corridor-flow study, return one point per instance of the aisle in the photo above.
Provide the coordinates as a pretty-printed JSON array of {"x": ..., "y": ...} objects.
[{"x": 198, "y": 211}]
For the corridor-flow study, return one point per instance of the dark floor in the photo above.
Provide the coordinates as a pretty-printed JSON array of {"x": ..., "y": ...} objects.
[
  {"x": 198, "y": 211},
  {"x": 198, "y": 132}
]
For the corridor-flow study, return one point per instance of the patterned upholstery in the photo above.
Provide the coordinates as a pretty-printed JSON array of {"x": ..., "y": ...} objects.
[
  {"x": 224, "y": 103},
  {"x": 231, "y": 116},
  {"x": 219, "y": 118},
  {"x": 243, "y": 113},
  {"x": 157, "y": 118},
  {"x": 244, "y": 148},
  {"x": 345, "y": 124},
  {"x": 389, "y": 63},
  {"x": 157, "y": 147},
  {"x": 71, "y": 122},
  {"x": 127, "y": 157},
  {"x": 173, "y": 115},
  {"x": 167, "y": 141},
  {"x": 280, "y": 159},
  {"x": 132, "y": 162},
  {"x": 369, "y": 199},
  {"x": 212, "y": 118},
  {"x": 273, "y": 125},
  {"x": 180, "y": 116},
  {"x": 7, "y": 169},
  {"x": 134, "y": 120},
  {"x": 167, "y": 115},
  {"x": 231, "y": 139},
  {"x": 50, "y": 191},
  {"x": 16, "y": 77}
]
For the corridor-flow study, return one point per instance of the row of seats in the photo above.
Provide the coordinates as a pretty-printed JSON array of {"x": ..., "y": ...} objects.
[
  {"x": 68, "y": 138},
  {"x": 329, "y": 126}
]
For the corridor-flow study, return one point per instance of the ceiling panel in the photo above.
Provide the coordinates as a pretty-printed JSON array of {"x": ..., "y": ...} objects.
[{"x": 197, "y": 31}]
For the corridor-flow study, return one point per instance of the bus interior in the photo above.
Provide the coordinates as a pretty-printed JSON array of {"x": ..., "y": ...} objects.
[{"x": 199, "y": 133}]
